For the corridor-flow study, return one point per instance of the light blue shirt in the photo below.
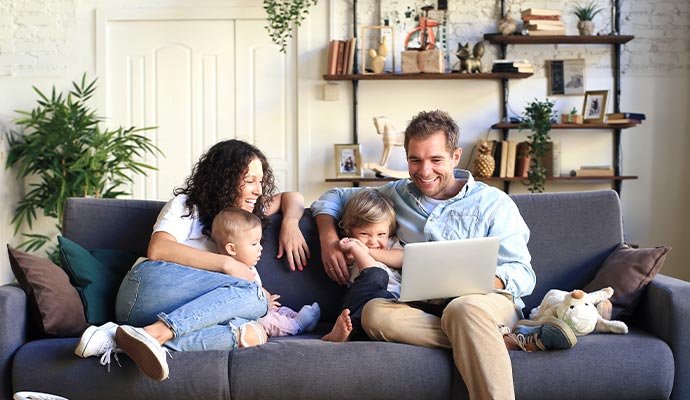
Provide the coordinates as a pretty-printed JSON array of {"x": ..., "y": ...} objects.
[{"x": 479, "y": 210}]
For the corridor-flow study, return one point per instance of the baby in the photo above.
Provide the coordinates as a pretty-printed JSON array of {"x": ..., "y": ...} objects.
[
  {"x": 237, "y": 233},
  {"x": 368, "y": 221}
]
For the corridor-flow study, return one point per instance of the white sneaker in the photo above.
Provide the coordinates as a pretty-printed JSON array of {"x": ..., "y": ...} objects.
[
  {"x": 96, "y": 340},
  {"x": 146, "y": 352},
  {"x": 99, "y": 341},
  {"x": 24, "y": 395}
]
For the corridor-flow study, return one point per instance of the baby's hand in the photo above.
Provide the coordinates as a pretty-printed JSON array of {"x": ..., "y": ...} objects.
[{"x": 272, "y": 303}]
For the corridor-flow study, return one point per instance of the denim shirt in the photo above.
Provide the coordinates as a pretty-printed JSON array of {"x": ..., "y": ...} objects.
[{"x": 479, "y": 210}]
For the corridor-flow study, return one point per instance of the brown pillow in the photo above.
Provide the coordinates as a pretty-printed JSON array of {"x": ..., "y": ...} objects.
[
  {"x": 628, "y": 271},
  {"x": 54, "y": 304}
]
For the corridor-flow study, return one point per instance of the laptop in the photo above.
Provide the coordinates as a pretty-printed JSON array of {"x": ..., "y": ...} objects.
[{"x": 449, "y": 268}]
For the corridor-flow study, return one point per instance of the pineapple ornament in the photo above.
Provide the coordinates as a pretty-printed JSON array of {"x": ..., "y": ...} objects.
[{"x": 484, "y": 164}]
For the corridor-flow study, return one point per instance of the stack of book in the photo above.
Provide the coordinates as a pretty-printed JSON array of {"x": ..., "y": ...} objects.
[
  {"x": 341, "y": 55},
  {"x": 594, "y": 170},
  {"x": 625, "y": 118},
  {"x": 512, "y": 66},
  {"x": 543, "y": 22}
]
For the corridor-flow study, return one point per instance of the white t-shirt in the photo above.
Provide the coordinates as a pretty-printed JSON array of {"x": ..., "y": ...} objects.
[
  {"x": 394, "y": 275},
  {"x": 185, "y": 229}
]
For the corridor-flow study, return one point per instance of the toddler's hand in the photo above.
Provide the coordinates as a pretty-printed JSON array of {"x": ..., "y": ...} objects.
[{"x": 350, "y": 244}]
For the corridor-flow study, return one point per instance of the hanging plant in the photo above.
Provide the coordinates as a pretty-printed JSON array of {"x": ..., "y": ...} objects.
[
  {"x": 65, "y": 148},
  {"x": 283, "y": 15},
  {"x": 537, "y": 118}
]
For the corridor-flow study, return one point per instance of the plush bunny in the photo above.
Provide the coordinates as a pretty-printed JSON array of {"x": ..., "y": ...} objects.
[{"x": 583, "y": 312}]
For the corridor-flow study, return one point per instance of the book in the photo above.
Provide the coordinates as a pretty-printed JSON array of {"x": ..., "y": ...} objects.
[
  {"x": 504, "y": 159},
  {"x": 528, "y": 18},
  {"x": 510, "y": 158},
  {"x": 496, "y": 153},
  {"x": 529, "y": 69},
  {"x": 514, "y": 62},
  {"x": 543, "y": 27},
  {"x": 545, "y": 22},
  {"x": 560, "y": 32},
  {"x": 595, "y": 167},
  {"x": 351, "y": 56},
  {"x": 339, "y": 60},
  {"x": 346, "y": 54},
  {"x": 332, "y": 57},
  {"x": 540, "y": 11},
  {"x": 594, "y": 172},
  {"x": 623, "y": 121},
  {"x": 556, "y": 158},
  {"x": 508, "y": 64},
  {"x": 630, "y": 115},
  {"x": 522, "y": 159}
]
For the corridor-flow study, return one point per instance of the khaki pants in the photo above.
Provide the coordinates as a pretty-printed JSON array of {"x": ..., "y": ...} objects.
[{"x": 469, "y": 325}]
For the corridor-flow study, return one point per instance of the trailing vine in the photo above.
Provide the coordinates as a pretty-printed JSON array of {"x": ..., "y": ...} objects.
[
  {"x": 283, "y": 15},
  {"x": 537, "y": 118}
]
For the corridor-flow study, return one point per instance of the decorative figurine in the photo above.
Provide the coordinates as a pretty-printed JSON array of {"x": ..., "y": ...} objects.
[
  {"x": 484, "y": 164},
  {"x": 507, "y": 25},
  {"x": 469, "y": 64},
  {"x": 378, "y": 58},
  {"x": 391, "y": 136}
]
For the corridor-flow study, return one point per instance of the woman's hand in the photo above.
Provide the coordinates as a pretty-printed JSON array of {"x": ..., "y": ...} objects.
[{"x": 292, "y": 244}]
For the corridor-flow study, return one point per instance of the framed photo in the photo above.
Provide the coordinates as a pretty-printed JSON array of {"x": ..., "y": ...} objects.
[
  {"x": 348, "y": 161},
  {"x": 378, "y": 43},
  {"x": 566, "y": 77},
  {"x": 594, "y": 108}
]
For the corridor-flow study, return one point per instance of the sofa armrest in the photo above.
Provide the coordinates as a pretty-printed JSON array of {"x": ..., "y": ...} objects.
[
  {"x": 13, "y": 332},
  {"x": 665, "y": 312}
]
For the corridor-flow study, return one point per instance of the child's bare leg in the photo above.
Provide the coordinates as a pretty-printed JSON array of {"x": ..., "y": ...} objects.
[
  {"x": 341, "y": 329},
  {"x": 251, "y": 334}
]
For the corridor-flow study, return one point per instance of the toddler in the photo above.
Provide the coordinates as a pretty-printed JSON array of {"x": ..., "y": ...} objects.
[
  {"x": 237, "y": 233},
  {"x": 368, "y": 222}
]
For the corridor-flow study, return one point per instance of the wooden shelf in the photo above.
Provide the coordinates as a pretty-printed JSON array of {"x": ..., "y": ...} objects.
[
  {"x": 573, "y": 179},
  {"x": 561, "y": 39},
  {"x": 591, "y": 125},
  {"x": 410, "y": 77}
]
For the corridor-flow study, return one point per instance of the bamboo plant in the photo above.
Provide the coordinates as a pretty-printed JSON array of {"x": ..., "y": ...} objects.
[{"x": 62, "y": 144}]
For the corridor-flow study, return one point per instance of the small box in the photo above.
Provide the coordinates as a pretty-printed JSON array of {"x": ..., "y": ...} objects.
[
  {"x": 572, "y": 119},
  {"x": 424, "y": 61}
]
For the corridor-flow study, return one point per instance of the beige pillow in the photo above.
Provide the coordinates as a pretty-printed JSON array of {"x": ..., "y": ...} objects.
[
  {"x": 54, "y": 304},
  {"x": 628, "y": 271}
]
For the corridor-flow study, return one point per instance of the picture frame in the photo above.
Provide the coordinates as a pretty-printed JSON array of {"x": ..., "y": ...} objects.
[
  {"x": 594, "y": 107},
  {"x": 371, "y": 38},
  {"x": 566, "y": 77},
  {"x": 348, "y": 160}
]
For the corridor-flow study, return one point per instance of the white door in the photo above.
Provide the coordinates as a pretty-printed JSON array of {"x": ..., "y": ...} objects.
[{"x": 199, "y": 79}]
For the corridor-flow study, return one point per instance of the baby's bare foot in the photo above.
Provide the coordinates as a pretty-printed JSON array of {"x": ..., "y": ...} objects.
[{"x": 341, "y": 329}]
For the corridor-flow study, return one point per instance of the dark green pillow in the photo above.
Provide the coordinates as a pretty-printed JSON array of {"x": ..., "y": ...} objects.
[{"x": 96, "y": 274}]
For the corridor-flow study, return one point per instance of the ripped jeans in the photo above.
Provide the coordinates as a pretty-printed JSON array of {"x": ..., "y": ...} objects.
[{"x": 202, "y": 308}]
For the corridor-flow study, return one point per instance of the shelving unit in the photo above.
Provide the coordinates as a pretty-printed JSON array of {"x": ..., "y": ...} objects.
[{"x": 503, "y": 41}]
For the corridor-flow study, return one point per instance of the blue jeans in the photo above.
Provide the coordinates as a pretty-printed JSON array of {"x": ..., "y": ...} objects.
[{"x": 202, "y": 308}]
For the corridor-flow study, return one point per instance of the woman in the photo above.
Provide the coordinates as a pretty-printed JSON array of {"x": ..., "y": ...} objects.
[{"x": 186, "y": 295}]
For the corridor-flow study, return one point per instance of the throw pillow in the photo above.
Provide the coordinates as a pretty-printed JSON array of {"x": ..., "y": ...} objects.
[
  {"x": 54, "y": 304},
  {"x": 96, "y": 274},
  {"x": 628, "y": 271}
]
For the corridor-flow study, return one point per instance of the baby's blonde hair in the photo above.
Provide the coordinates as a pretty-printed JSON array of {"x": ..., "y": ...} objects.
[
  {"x": 230, "y": 223},
  {"x": 368, "y": 206}
]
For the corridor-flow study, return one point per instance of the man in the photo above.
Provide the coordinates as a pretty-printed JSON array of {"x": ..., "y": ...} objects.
[{"x": 438, "y": 202}]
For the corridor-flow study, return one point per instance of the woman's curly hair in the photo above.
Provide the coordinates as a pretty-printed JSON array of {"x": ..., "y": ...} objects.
[{"x": 218, "y": 177}]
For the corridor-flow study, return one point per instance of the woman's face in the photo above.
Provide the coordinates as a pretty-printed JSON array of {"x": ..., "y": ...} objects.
[{"x": 251, "y": 186}]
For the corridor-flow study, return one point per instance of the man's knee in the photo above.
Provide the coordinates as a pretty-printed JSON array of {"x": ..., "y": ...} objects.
[
  {"x": 466, "y": 308},
  {"x": 377, "y": 318}
]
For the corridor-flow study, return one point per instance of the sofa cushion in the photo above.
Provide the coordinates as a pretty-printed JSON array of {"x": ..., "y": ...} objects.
[
  {"x": 628, "y": 271},
  {"x": 54, "y": 304},
  {"x": 96, "y": 274}
]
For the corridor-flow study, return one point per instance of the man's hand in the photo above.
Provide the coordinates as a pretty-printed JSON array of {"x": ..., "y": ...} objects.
[
  {"x": 498, "y": 283},
  {"x": 291, "y": 243},
  {"x": 334, "y": 261}
]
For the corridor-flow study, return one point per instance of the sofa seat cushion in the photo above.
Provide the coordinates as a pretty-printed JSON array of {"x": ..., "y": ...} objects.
[
  {"x": 362, "y": 370},
  {"x": 633, "y": 366},
  {"x": 49, "y": 365}
]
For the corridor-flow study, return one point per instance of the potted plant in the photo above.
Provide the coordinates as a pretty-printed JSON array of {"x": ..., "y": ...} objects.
[
  {"x": 537, "y": 118},
  {"x": 585, "y": 15},
  {"x": 283, "y": 15},
  {"x": 64, "y": 147}
]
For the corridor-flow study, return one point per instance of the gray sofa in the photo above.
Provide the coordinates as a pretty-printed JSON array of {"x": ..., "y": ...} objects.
[{"x": 572, "y": 234}]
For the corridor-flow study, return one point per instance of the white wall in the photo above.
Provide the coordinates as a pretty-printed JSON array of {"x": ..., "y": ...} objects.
[{"x": 46, "y": 43}]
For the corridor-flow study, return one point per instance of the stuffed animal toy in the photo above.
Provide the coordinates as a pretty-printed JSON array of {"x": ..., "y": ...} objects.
[{"x": 582, "y": 312}]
